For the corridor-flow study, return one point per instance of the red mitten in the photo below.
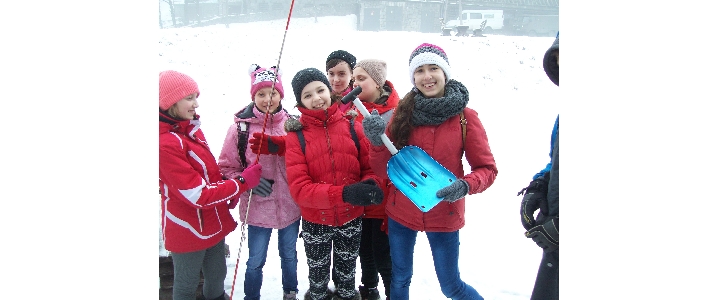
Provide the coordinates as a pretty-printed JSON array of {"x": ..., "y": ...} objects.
[{"x": 270, "y": 144}]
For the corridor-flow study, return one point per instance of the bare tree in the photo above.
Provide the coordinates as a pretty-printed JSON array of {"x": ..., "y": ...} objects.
[
  {"x": 172, "y": 11},
  {"x": 160, "y": 12}
]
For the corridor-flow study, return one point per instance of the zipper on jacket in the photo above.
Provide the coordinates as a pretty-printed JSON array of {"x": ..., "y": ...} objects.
[
  {"x": 331, "y": 154},
  {"x": 201, "y": 221}
]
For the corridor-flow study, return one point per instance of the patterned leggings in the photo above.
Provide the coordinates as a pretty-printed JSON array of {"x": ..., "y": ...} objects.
[{"x": 318, "y": 240}]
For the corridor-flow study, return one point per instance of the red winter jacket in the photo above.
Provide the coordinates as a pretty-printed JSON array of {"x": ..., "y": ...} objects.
[
  {"x": 378, "y": 211},
  {"x": 195, "y": 212},
  {"x": 316, "y": 180},
  {"x": 443, "y": 142}
]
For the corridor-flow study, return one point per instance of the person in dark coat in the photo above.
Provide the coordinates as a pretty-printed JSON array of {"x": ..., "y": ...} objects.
[{"x": 542, "y": 194}]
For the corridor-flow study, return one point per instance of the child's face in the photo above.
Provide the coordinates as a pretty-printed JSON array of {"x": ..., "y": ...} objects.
[
  {"x": 315, "y": 95},
  {"x": 339, "y": 77},
  {"x": 430, "y": 80},
  {"x": 267, "y": 99},
  {"x": 370, "y": 90},
  {"x": 185, "y": 108}
]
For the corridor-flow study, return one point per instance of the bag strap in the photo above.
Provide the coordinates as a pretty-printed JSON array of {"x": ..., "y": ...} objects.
[{"x": 242, "y": 138}]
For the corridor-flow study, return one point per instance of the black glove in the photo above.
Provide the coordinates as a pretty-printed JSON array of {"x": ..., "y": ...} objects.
[
  {"x": 545, "y": 235},
  {"x": 362, "y": 193},
  {"x": 455, "y": 191},
  {"x": 264, "y": 188},
  {"x": 534, "y": 198}
]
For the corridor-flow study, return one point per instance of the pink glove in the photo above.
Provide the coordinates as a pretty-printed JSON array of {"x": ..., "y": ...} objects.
[{"x": 251, "y": 175}]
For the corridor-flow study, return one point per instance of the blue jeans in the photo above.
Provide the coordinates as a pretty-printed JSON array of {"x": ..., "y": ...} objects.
[
  {"x": 258, "y": 243},
  {"x": 444, "y": 250}
]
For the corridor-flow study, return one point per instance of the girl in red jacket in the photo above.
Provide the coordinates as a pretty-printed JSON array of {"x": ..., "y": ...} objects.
[
  {"x": 195, "y": 199},
  {"x": 330, "y": 179},
  {"x": 430, "y": 117},
  {"x": 377, "y": 94}
]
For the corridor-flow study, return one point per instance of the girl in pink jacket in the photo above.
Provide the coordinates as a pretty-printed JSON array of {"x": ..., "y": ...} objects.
[
  {"x": 271, "y": 206},
  {"x": 195, "y": 208}
]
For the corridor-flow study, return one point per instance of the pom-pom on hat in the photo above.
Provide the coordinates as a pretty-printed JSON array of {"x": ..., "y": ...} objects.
[
  {"x": 375, "y": 68},
  {"x": 174, "y": 86},
  {"x": 428, "y": 54},
  {"x": 345, "y": 56},
  {"x": 262, "y": 78},
  {"x": 306, "y": 76}
]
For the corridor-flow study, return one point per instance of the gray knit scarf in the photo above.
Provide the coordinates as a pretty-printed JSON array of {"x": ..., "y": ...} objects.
[{"x": 433, "y": 111}]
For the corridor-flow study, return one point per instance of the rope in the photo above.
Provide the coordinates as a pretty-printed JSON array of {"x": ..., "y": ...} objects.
[{"x": 264, "y": 128}]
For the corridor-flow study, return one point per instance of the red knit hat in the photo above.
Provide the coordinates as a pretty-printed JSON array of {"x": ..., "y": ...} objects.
[
  {"x": 261, "y": 78},
  {"x": 174, "y": 86}
]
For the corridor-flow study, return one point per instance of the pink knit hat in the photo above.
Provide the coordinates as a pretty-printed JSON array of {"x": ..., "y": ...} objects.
[
  {"x": 262, "y": 78},
  {"x": 174, "y": 86}
]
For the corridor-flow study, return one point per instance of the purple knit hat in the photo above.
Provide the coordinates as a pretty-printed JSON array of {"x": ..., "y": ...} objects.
[
  {"x": 428, "y": 54},
  {"x": 262, "y": 78}
]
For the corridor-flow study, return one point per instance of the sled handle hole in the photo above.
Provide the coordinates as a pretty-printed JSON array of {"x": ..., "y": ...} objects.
[
  {"x": 412, "y": 184},
  {"x": 424, "y": 174}
]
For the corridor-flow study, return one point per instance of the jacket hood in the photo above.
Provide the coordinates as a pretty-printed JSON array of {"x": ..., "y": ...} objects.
[
  {"x": 313, "y": 117},
  {"x": 550, "y": 64},
  {"x": 168, "y": 123},
  {"x": 252, "y": 114}
]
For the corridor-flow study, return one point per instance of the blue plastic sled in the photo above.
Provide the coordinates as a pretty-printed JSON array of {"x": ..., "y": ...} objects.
[{"x": 413, "y": 171}]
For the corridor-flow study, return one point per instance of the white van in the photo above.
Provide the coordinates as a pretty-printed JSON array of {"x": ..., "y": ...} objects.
[{"x": 473, "y": 18}]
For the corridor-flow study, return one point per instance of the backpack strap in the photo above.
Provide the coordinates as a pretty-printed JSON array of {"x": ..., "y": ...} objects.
[
  {"x": 463, "y": 128},
  {"x": 354, "y": 136},
  {"x": 302, "y": 143},
  {"x": 300, "y": 136},
  {"x": 242, "y": 138}
]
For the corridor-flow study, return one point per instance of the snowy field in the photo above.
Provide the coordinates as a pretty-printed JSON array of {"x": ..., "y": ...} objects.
[{"x": 507, "y": 86}]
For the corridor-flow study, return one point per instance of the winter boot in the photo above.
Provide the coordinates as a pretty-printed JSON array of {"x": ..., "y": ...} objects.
[
  {"x": 357, "y": 296},
  {"x": 328, "y": 296},
  {"x": 222, "y": 297},
  {"x": 369, "y": 293},
  {"x": 292, "y": 295}
]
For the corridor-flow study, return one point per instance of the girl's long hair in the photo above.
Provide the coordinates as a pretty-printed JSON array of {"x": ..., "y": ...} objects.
[{"x": 401, "y": 127}]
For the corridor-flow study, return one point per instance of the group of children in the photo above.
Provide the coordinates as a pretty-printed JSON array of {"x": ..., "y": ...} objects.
[{"x": 326, "y": 169}]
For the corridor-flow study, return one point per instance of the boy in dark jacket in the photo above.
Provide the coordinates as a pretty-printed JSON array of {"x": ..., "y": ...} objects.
[{"x": 542, "y": 194}]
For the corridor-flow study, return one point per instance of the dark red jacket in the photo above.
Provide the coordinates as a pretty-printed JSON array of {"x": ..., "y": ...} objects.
[
  {"x": 442, "y": 142},
  {"x": 195, "y": 212},
  {"x": 316, "y": 180},
  {"x": 378, "y": 211}
]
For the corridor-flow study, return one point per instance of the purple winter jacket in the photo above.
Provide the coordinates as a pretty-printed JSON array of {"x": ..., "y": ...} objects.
[{"x": 278, "y": 210}]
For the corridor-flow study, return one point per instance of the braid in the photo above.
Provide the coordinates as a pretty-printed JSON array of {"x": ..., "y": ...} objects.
[{"x": 401, "y": 127}]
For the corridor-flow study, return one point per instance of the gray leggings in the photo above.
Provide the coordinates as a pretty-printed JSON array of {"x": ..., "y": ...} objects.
[{"x": 186, "y": 273}]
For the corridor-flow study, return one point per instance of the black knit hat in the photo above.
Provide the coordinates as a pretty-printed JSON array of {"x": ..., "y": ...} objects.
[
  {"x": 345, "y": 56},
  {"x": 306, "y": 76},
  {"x": 550, "y": 63}
]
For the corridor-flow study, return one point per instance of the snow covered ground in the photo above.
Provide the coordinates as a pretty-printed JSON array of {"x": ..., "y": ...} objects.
[{"x": 507, "y": 86}]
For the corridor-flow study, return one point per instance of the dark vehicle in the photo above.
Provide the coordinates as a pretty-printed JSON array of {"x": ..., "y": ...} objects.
[{"x": 535, "y": 25}]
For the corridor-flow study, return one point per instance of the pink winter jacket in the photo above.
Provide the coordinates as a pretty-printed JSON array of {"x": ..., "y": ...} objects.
[{"x": 278, "y": 210}]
